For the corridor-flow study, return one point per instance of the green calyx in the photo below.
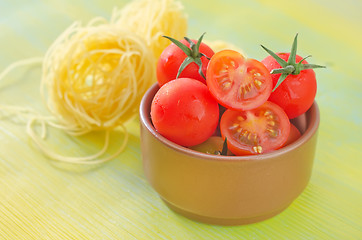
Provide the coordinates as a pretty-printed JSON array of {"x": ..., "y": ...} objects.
[
  {"x": 290, "y": 66},
  {"x": 192, "y": 54}
]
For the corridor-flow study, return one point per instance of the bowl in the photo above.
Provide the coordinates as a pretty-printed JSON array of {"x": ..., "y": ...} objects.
[{"x": 227, "y": 190}]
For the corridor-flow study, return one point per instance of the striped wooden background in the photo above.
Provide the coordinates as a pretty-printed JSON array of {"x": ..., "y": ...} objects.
[{"x": 41, "y": 200}]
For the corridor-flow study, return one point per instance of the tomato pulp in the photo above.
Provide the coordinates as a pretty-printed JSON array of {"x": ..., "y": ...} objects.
[
  {"x": 238, "y": 83},
  {"x": 255, "y": 131}
]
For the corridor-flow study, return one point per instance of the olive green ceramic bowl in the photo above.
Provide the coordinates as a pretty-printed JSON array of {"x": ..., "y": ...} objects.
[{"x": 227, "y": 190}]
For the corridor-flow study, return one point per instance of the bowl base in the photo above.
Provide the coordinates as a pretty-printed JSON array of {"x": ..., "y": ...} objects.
[{"x": 222, "y": 221}]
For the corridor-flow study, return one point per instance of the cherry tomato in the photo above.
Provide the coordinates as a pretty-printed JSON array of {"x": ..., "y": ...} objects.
[
  {"x": 297, "y": 92},
  {"x": 213, "y": 145},
  {"x": 184, "y": 111},
  {"x": 293, "y": 135},
  {"x": 236, "y": 82},
  {"x": 255, "y": 131},
  {"x": 171, "y": 59}
]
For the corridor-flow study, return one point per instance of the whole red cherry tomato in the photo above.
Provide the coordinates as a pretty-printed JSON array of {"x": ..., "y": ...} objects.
[
  {"x": 297, "y": 92},
  {"x": 184, "y": 111},
  {"x": 255, "y": 131},
  {"x": 294, "y": 81},
  {"x": 187, "y": 57},
  {"x": 236, "y": 82}
]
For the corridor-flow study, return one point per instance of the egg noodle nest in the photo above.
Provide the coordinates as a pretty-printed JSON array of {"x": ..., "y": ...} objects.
[{"x": 94, "y": 76}]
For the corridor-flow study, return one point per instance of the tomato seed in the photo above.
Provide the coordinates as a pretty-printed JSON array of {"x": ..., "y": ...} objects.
[
  {"x": 257, "y": 84},
  {"x": 271, "y": 123},
  {"x": 272, "y": 132},
  {"x": 250, "y": 136},
  {"x": 257, "y": 74},
  {"x": 256, "y": 139},
  {"x": 267, "y": 112},
  {"x": 258, "y": 149},
  {"x": 270, "y": 117},
  {"x": 226, "y": 86},
  {"x": 240, "y": 118}
]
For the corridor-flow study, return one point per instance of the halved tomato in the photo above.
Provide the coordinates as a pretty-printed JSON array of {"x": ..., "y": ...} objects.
[
  {"x": 255, "y": 131},
  {"x": 236, "y": 82}
]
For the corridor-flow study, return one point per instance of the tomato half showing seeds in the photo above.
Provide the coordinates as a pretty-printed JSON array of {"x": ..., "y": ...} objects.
[
  {"x": 236, "y": 82},
  {"x": 255, "y": 131},
  {"x": 184, "y": 111}
]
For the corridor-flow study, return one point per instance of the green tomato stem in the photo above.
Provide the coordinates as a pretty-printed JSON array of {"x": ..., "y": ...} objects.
[
  {"x": 193, "y": 54},
  {"x": 289, "y": 67}
]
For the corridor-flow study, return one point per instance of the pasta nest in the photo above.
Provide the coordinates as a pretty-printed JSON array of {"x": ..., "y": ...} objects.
[
  {"x": 153, "y": 19},
  {"x": 95, "y": 76}
]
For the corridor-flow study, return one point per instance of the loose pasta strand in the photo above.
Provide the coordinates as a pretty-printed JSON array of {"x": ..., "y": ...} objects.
[
  {"x": 91, "y": 159},
  {"x": 23, "y": 62},
  {"x": 31, "y": 117}
]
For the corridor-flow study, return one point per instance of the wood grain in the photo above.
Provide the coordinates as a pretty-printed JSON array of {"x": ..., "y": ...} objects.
[{"x": 43, "y": 200}]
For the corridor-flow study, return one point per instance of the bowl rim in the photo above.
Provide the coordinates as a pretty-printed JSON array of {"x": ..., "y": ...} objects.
[{"x": 145, "y": 119}]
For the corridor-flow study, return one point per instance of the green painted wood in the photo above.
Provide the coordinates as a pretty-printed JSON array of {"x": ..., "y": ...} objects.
[{"x": 40, "y": 200}]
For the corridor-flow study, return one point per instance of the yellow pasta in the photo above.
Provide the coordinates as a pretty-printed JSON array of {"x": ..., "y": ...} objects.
[
  {"x": 94, "y": 76},
  {"x": 152, "y": 20},
  {"x": 93, "y": 79}
]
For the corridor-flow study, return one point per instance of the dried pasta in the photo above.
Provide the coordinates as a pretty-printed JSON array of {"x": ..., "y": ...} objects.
[
  {"x": 94, "y": 76},
  {"x": 152, "y": 20}
]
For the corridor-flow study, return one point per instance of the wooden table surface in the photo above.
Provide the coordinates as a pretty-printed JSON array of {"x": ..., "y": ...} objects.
[{"x": 42, "y": 200}]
